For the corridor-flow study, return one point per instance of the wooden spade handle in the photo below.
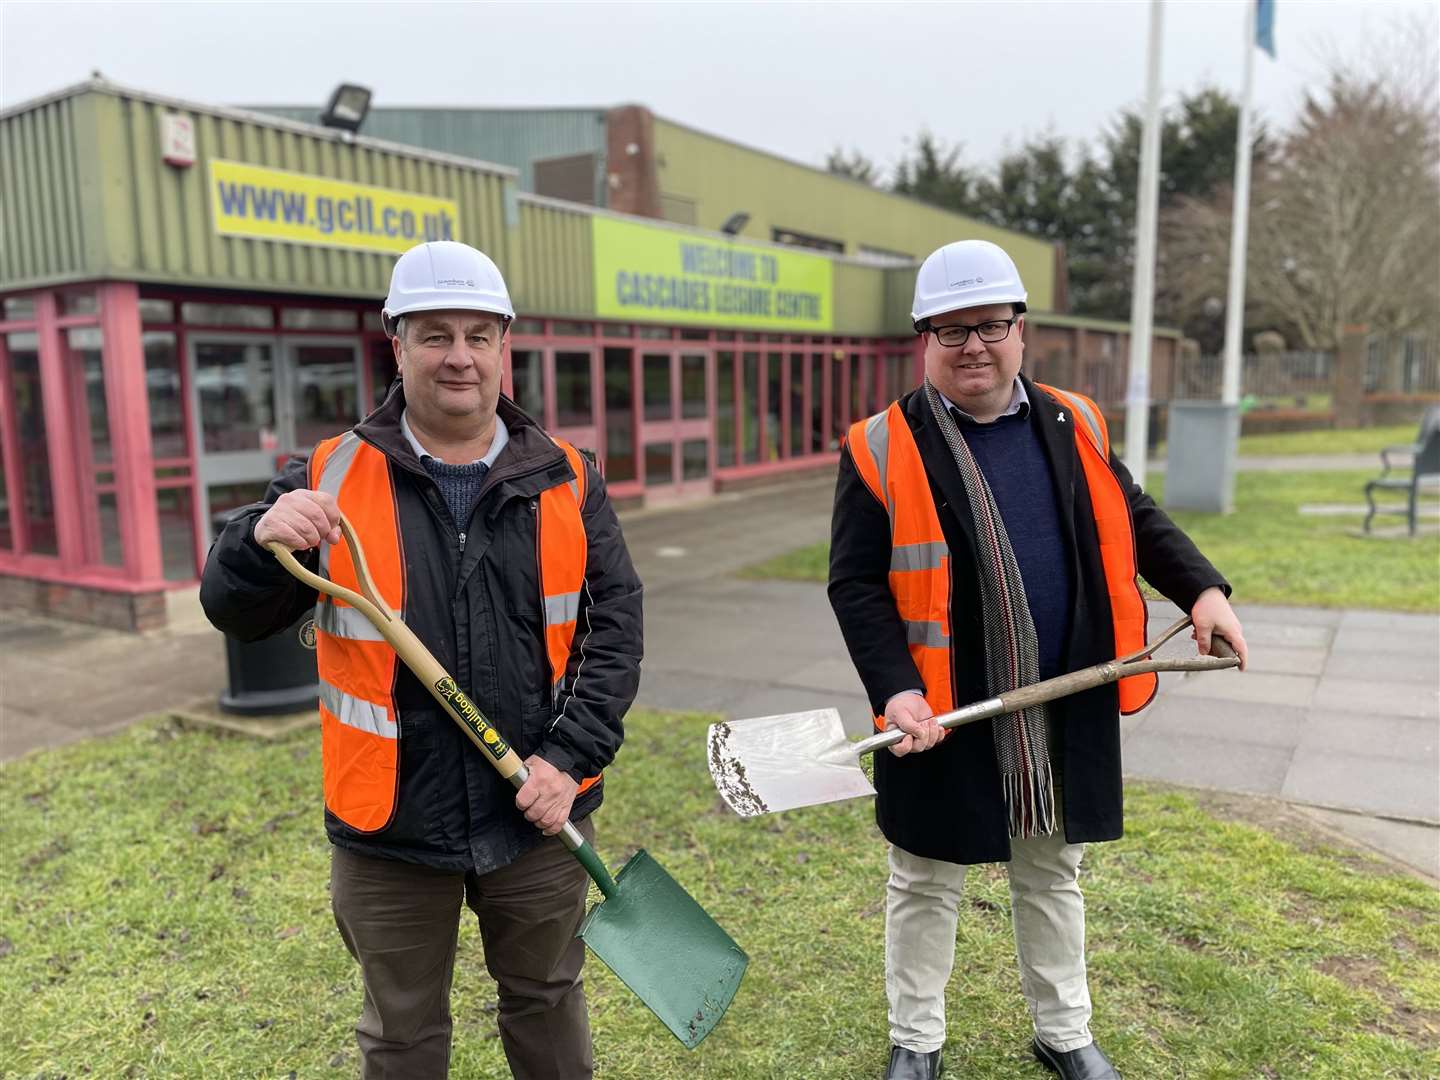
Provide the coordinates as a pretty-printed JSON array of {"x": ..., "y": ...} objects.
[
  {"x": 1136, "y": 663},
  {"x": 415, "y": 655},
  {"x": 437, "y": 680}
]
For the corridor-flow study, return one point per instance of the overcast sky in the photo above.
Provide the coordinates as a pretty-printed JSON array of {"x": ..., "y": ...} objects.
[{"x": 795, "y": 79}]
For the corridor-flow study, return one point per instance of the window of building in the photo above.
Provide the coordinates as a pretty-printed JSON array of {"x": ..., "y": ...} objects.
[
  {"x": 37, "y": 496},
  {"x": 774, "y": 402},
  {"x": 817, "y": 402},
  {"x": 656, "y": 372},
  {"x": 250, "y": 316},
  {"x": 323, "y": 391},
  {"x": 383, "y": 372},
  {"x": 619, "y": 416},
  {"x": 693, "y": 398},
  {"x": 574, "y": 396},
  {"x": 235, "y": 381},
  {"x": 156, "y": 311},
  {"x": 7, "y": 534},
  {"x": 795, "y": 238},
  {"x": 749, "y": 416},
  {"x": 725, "y": 410},
  {"x": 795, "y": 373},
  {"x": 175, "y": 507},
  {"x": 659, "y": 463},
  {"x": 79, "y": 302},
  {"x": 526, "y": 376},
  {"x": 695, "y": 459},
  {"x": 84, "y": 356},
  {"x": 318, "y": 319}
]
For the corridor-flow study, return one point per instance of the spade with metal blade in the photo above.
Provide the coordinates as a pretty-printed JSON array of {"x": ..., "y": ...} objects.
[
  {"x": 649, "y": 931},
  {"x": 773, "y": 763}
]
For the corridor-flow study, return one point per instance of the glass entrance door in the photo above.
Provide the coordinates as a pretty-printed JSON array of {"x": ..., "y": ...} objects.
[
  {"x": 237, "y": 420},
  {"x": 677, "y": 439},
  {"x": 323, "y": 376},
  {"x": 257, "y": 399}
]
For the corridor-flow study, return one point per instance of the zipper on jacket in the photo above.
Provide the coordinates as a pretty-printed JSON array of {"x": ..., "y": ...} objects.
[{"x": 540, "y": 579}]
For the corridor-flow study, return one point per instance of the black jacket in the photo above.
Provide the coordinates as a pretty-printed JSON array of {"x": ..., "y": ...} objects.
[
  {"x": 478, "y": 610},
  {"x": 946, "y": 803}
]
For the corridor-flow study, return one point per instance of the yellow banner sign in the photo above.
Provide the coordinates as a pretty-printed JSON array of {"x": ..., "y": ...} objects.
[
  {"x": 272, "y": 204},
  {"x": 653, "y": 274}
]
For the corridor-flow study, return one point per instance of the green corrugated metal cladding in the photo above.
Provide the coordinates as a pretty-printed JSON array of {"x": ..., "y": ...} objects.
[
  {"x": 514, "y": 137},
  {"x": 88, "y": 195}
]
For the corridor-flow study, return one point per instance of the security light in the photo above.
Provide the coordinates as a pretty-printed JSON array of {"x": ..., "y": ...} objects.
[
  {"x": 348, "y": 106},
  {"x": 735, "y": 222}
]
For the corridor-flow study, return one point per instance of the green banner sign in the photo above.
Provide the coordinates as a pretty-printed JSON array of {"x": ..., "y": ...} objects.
[{"x": 648, "y": 273}]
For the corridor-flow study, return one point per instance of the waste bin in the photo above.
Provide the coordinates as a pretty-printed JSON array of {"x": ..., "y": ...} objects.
[{"x": 275, "y": 675}]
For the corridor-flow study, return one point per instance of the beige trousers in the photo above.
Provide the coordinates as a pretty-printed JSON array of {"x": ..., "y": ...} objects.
[{"x": 922, "y": 901}]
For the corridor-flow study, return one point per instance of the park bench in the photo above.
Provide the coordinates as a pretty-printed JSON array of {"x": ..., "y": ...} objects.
[
  {"x": 1425, "y": 464},
  {"x": 1428, "y": 423}
]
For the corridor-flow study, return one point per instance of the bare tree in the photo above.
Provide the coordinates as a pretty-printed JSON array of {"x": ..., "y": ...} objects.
[{"x": 1344, "y": 219}]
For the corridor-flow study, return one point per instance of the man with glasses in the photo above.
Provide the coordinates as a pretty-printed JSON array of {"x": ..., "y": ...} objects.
[{"x": 984, "y": 538}]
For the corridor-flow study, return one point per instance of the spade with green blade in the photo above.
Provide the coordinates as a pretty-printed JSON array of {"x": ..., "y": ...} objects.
[{"x": 647, "y": 929}]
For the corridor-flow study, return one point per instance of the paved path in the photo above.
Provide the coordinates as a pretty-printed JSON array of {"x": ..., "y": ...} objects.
[
  {"x": 1339, "y": 712},
  {"x": 1301, "y": 463}
]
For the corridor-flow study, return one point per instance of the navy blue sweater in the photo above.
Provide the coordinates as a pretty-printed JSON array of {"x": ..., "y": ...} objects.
[{"x": 1010, "y": 455}]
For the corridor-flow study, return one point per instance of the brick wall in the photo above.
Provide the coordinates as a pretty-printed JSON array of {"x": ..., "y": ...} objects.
[{"x": 79, "y": 603}]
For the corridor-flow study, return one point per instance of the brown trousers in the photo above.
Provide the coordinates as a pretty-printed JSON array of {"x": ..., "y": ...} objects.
[{"x": 401, "y": 922}]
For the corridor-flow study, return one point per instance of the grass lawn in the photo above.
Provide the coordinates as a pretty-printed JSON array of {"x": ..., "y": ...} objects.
[
  {"x": 1269, "y": 552},
  {"x": 165, "y": 915},
  {"x": 1345, "y": 441}
]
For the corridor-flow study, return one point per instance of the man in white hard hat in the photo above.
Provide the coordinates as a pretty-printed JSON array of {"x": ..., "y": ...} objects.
[
  {"x": 985, "y": 537},
  {"x": 500, "y": 549}
]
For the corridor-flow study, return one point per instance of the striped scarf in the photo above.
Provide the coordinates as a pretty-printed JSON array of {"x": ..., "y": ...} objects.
[{"x": 1012, "y": 656}]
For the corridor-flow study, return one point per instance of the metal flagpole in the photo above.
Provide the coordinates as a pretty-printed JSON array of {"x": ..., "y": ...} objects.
[
  {"x": 1240, "y": 221},
  {"x": 1142, "y": 298}
]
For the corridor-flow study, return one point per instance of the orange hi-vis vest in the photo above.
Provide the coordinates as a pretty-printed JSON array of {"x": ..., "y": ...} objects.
[
  {"x": 359, "y": 730},
  {"x": 888, "y": 461}
]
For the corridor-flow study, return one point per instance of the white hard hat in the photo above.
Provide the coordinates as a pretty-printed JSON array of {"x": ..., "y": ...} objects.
[
  {"x": 966, "y": 274},
  {"x": 445, "y": 275}
]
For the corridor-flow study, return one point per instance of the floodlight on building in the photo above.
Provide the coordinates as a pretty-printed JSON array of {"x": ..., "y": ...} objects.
[
  {"x": 735, "y": 222},
  {"x": 347, "y": 109}
]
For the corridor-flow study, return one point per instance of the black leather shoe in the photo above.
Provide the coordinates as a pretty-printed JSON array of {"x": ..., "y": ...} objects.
[
  {"x": 911, "y": 1065},
  {"x": 1086, "y": 1063}
]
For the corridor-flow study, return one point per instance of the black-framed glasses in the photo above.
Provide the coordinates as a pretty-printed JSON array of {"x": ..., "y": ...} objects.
[{"x": 990, "y": 331}]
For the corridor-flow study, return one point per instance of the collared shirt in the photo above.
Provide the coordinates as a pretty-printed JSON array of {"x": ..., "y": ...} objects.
[
  {"x": 1019, "y": 403},
  {"x": 502, "y": 436}
]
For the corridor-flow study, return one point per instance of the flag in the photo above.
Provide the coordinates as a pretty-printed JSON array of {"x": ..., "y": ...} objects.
[{"x": 1265, "y": 26}]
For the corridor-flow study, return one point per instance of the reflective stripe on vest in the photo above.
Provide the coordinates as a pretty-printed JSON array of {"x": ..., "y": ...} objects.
[
  {"x": 359, "y": 733},
  {"x": 1116, "y": 532},
  {"x": 563, "y": 554},
  {"x": 888, "y": 461}
]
